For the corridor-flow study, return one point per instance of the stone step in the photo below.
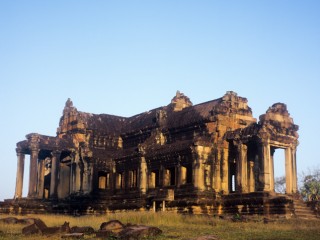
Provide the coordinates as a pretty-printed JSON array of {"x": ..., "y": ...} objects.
[
  {"x": 309, "y": 217},
  {"x": 302, "y": 211}
]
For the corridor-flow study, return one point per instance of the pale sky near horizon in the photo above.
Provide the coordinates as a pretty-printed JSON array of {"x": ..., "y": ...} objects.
[{"x": 127, "y": 57}]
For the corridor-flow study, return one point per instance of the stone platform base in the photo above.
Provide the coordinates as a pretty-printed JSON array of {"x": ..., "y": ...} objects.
[{"x": 256, "y": 203}]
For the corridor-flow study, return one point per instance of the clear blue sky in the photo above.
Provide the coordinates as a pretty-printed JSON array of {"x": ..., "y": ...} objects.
[{"x": 127, "y": 57}]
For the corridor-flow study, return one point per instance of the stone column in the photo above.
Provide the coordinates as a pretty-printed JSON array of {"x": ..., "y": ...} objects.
[
  {"x": 113, "y": 176},
  {"x": 33, "y": 173},
  {"x": 179, "y": 173},
  {"x": 179, "y": 177},
  {"x": 225, "y": 171},
  {"x": 163, "y": 206},
  {"x": 198, "y": 172},
  {"x": 251, "y": 179},
  {"x": 54, "y": 174},
  {"x": 244, "y": 168},
  {"x": 217, "y": 173},
  {"x": 182, "y": 175},
  {"x": 294, "y": 171},
  {"x": 166, "y": 177},
  {"x": 266, "y": 166},
  {"x": 20, "y": 172},
  {"x": 288, "y": 160},
  {"x": 87, "y": 176},
  {"x": 238, "y": 170},
  {"x": 154, "y": 206},
  {"x": 72, "y": 175},
  {"x": 77, "y": 181},
  {"x": 40, "y": 189},
  {"x": 143, "y": 175},
  {"x": 75, "y": 177}
]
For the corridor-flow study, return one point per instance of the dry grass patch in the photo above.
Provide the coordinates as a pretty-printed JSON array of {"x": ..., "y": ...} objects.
[{"x": 176, "y": 226}]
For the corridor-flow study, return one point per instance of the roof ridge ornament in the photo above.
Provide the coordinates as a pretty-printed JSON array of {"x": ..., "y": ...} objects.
[{"x": 69, "y": 103}]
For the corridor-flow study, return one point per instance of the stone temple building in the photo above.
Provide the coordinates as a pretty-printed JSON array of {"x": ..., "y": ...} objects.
[{"x": 213, "y": 157}]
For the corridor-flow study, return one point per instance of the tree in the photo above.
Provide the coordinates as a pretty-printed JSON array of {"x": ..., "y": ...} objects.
[
  {"x": 310, "y": 189},
  {"x": 280, "y": 184}
]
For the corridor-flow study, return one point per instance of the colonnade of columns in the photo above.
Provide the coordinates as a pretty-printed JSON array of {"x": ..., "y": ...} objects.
[
  {"x": 20, "y": 174},
  {"x": 81, "y": 180},
  {"x": 36, "y": 174},
  {"x": 72, "y": 178},
  {"x": 245, "y": 179}
]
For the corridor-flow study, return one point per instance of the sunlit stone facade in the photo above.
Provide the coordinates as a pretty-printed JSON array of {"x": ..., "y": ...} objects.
[{"x": 181, "y": 156}]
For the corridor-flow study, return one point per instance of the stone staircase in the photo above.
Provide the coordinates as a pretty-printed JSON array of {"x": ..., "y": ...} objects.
[{"x": 302, "y": 211}]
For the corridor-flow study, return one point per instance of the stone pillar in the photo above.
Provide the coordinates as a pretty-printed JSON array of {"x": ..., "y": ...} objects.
[
  {"x": 294, "y": 171},
  {"x": 166, "y": 177},
  {"x": 179, "y": 176},
  {"x": 87, "y": 176},
  {"x": 77, "y": 173},
  {"x": 238, "y": 170},
  {"x": 251, "y": 178},
  {"x": 182, "y": 175},
  {"x": 244, "y": 168},
  {"x": 113, "y": 176},
  {"x": 163, "y": 206},
  {"x": 40, "y": 189},
  {"x": 179, "y": 173},
  {"x": 198, "y": 172},
  {"x": 154, "y": 206},
  {"x": 54, "y": 174},
  {"x": 217, "y": 173},
  {"x": 288, "y": 155},
  {"x": 72, "y": 175},
  {"x": 33, "y": 176},
  {"x": 20, "y": 172},
  {"x": 266, "y": 166},
  {"x": 75, "y": 176},
  {"x": 143, "y": 175},
  {"x": 225, "y": 171}
]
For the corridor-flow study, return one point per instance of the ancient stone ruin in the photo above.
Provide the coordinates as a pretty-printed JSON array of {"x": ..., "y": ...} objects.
[{"x": 213, "y": 157}]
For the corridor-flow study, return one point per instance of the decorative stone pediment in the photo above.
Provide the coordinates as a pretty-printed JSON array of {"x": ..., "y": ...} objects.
[
  {"x": 180, "y": 101},
  {"x": 231, "y": 103},
  {"x": 72, "y": 122},
  {"x": 277, "y": 121}
]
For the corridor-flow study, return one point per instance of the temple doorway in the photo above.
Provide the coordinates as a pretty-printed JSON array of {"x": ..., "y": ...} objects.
[
  {"x": 233, "y": 155},
  {"x": 232, "y": 176}
]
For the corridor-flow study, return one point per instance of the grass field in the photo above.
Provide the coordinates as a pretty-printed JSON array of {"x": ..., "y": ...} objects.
[{"x": 176, "y": 226}]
